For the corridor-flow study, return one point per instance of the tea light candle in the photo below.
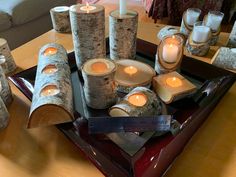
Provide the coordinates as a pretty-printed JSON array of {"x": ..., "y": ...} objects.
[
  {"x": 172, "y": 86},
  {"x": 192, "y": 15},
  {"x": 201, "y": 34},
  {"x": 50, "y": 69},
  {"x": 87, "y": 8},
  {"x": 132, "y": 73},
  {"x": 50, "y": 51},
  {"x": 214, "y": 20},
  {"x": 173, "y": 82},
  {"x": 139, "y": 102},
  {"x": 99, "y": 67},
  {"x": 137, "y": 99},
  {"x": 123, "y": 7},
  {"x": 130, "y": 70},
  {"x": 49, "y": 90}
]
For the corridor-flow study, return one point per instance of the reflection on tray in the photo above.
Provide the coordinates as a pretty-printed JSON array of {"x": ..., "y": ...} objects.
[{"x": 146, "y": 156}]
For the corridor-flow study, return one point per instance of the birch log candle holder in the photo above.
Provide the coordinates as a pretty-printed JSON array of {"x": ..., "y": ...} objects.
[
  {"x": 169, "y": 54},
  {"x": 198, "y": 41},
  {"x": 131, "y": 74},
  {"x": 8, "y": 64},
  {"x": 52, "y": 101},
  {"x": 99, "y": 84},
  {"x": 139, "y": 102},
  {"x": 88, "y": 32},
  {"x": 232, "y": 37},
  {"x": 172, "y": 86},
  {"x": 60, "y": 19},
  {"x": 4, "y": 115},
  {"x": 213, "y": 20},
  {"x": 122, "y": 34},
  {"x": 189, "y": 18},
  {"x": 225, "y": 58},
  {"x": 5, "y": 89}
]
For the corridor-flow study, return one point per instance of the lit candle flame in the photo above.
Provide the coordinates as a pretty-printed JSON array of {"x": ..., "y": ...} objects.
[
  {"x": 87, "y": 7},
  {"x": 130, "y": 70}
]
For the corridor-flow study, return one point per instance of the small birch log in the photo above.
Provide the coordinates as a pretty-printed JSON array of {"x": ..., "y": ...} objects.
[
  {"x": 52, "y": 97},
  {"x": 232, "y": 37},
  {"x": 198, "y": 49},
  {"x": 161, "y": 66},
  {"x": 88, "y": 32},
  {"x": 5, "y": 89},
  {"x": 60, "y": 19},
  {"x": 99, "y": 84},
  {"x": 225, "y": 58},
  {"x": 9, "y": 63},
  {"x": 122, "y": 34},
  {"x": 139, "y": 102},
  {"x": 4, "y": 115}
]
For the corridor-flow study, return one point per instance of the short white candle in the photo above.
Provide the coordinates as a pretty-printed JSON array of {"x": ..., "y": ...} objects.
[
  {"x": 192, "y": 16},
  {"x": 123, "y": 7},
  {"x": 201, "y": 33},
  {"x": 170, "y": 52},
  {"x": 214, "y": 21},
  {"x": 61, "y": 8}
]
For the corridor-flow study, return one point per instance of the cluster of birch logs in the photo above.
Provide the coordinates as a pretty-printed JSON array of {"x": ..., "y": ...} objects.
[{"x": 52, "y": 97}]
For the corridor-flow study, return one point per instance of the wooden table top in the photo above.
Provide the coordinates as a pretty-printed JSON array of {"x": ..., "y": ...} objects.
[{"x": 44, "y": 152}]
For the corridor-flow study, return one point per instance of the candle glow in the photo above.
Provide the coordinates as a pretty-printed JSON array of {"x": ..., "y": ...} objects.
[
  {"x": 99, "y": 67},
  {"x": 137, "y": 99},
  {"x": 87, "y": 7},
  {"x": 49, "y": 90},
  {"x": 50, "y": 51},
  {"x": 173, "y": 82},
  {"x": 130, "y": 70},
  {"x": 49, "y": 69}
]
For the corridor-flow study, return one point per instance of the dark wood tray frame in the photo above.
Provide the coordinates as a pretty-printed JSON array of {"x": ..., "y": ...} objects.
[{"x": 158, "y": 153}]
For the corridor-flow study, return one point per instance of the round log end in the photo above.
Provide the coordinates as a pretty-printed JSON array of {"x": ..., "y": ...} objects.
[{"x": 48, "y": 115}]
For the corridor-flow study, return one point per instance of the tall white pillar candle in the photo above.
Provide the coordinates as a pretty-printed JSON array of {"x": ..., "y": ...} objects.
[
  {"x": 201, "y": 33},
  {"x": 123, "y": 7}
]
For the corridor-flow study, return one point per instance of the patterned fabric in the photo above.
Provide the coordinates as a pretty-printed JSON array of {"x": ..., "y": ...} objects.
[{"x": 175, "y": 8}]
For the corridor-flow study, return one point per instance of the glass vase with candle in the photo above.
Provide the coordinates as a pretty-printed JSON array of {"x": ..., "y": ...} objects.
[
  {"x": 214, "y": 19},
  {"x": 201, "y": 32},
  {"x": 198, "y": 40},
  {"x": 169, "y": 54},
  {"x": 192, "y": 15}
]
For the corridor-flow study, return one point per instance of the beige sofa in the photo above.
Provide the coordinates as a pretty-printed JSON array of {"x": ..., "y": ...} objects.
[{"x": 23, "y": 20}]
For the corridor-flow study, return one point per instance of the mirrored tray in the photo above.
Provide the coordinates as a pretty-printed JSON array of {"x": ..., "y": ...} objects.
[{"x": 154, "y": 155}]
